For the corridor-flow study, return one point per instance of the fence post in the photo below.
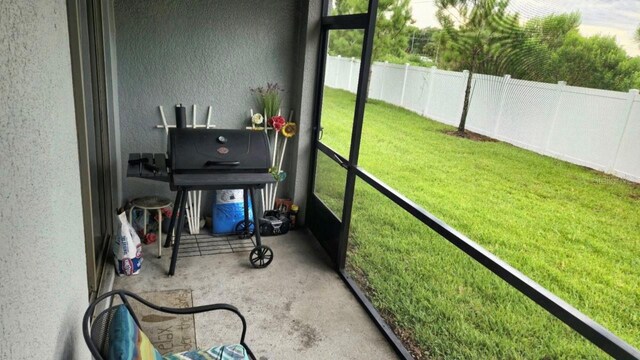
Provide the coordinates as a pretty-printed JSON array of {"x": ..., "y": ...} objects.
[
  {"x": 350, "y": 72},
  {"x": 559, "y": 91},
  {"x": 432, "y": 75},
  {"x": 337, "y": 76},
  {"x": 503, "y": 96},
  {"x": 404, "y": 83},
  {"x": 633, "y": 93},
  {"x": 384, "y": 72}
]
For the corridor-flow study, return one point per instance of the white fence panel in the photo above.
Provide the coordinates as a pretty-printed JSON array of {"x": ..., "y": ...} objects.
[
  {"x": 376, "y": 81},
  {"x": 343, "y": 68},
  {"x": 590, "y": 127},
  {"x": 416, "y": 89},
  {"x": 627, "y": 164},
  {"x": 447, "y": 96},
  {"x": 331, "y": 73},
  {"x": 354, "y": 73},
  {"x": 527, "y": 114},
  {"x": 487, "y": 94},
  {"x": 393, "y": 83}
]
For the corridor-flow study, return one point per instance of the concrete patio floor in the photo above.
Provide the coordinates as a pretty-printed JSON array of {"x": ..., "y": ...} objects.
[{"x": 297, "y": 308}]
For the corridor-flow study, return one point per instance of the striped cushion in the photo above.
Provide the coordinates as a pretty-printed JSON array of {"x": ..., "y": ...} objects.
[
  {"x": 127, "y": 341},
  {"x": 225, "y": 352}
]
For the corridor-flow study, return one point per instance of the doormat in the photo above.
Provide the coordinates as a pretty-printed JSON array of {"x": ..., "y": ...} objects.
[
  {"x": 207, "y": 244},
  {"x": 169, "y": 333}
]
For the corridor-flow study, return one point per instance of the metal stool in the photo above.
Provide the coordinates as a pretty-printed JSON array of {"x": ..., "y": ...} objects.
[{"x": 150, "y": 203}]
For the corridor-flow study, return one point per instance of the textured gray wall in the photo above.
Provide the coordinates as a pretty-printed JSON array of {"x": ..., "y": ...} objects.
[
  {"x": 203, "y": 53},
  {"x": 43, "y": 284}
]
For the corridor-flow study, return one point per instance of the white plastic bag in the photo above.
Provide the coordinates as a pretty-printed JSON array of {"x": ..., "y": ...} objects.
[{"x": 127, "y": 249}]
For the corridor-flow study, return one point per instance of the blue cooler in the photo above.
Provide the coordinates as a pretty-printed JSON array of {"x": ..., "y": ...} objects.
[{"x": 228, "y": 211}]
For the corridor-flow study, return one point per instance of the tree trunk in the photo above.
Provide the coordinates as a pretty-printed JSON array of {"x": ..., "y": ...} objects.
[{"x": 465, "y": 107}]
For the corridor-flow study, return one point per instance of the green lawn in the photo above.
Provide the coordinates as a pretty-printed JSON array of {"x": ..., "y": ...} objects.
[{"x": 573, "y": 230}]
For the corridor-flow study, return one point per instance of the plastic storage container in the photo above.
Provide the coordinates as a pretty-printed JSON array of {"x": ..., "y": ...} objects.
[{"x": 228, "y": 211}]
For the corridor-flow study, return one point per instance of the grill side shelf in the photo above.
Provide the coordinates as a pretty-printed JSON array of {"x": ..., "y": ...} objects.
[
  {"x": 160, "y": 161},
  {"x": 148, "y": 166},
  {"x": 133, "y": 167}
]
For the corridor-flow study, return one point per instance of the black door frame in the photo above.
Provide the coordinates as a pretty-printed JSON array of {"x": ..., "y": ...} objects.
[
  {"x": 582, "y": 324},
  {"x": 87, "y": 35},
  {"x": 318, "y": 211}
]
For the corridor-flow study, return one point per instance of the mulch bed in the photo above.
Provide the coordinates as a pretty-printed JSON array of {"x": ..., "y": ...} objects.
[{"x": 470, "y": 135}]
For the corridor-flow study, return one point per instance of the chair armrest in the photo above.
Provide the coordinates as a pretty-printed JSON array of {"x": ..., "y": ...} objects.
[
  {"x": 207, "y": 308},
  {"x": 190, "y": 310},
  {"x": 123, "y": 294}
]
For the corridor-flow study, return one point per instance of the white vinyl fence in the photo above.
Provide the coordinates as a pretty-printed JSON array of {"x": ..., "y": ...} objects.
[{"x": 599, "y": 129}]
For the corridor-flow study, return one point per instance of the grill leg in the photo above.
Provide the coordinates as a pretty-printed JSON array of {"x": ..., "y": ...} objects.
[
  {"x": 256, "y": 220},
  {"x": 176, "y": 244},
  {"x": 172, "y": 223},
  {"x": 159, "y": 233},
  {"x": 245, "y": 195},
  {"x": 261, "y": 256}
]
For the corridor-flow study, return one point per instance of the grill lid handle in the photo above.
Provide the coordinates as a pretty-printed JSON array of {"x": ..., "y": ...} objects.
[{"x": 222, "y": 163}]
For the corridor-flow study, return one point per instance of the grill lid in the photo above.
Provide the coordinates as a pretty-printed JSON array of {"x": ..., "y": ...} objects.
[{"x": 216, "y": 151}]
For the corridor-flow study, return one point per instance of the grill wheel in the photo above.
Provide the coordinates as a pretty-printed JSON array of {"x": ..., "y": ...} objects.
[
  {"x": 242, "y": 232},
  {"x": 261, "y": 256}
]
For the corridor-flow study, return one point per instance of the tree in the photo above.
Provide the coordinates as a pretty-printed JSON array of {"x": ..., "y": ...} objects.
[
  {"x": 594, "y": 62},
  {"x": 391, "y": 38},
  {"x": 551, "y": 30},
  {"x": 479, "y": 36},
  {"x": 636, "y": 35},
  {"x": 630, "y": 72},
  {"x": 564, "y": 54},
  {"x": 422, "y": 41},
  {"x": 544, "y": 36}
]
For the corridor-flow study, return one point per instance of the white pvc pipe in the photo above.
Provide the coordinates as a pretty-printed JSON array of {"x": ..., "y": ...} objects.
[
  {"x": 186, "y": 210},
  {"x": 284, "y": 148},
  {"x": 164, "y": 121},
  {"x": 209, "y": 118},
  {"x": 190, "y": 212},
  {"x": 275, "y": 149},
  {"x": 198, "y": 210},
  {"x": 198, "y": 126},
  {"x": 273, "y": 164},
  {"x": 166, "y": 127}
]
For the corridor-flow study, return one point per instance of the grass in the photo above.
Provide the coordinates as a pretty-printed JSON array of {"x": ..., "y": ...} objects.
[{"x": 573, "y": 230}]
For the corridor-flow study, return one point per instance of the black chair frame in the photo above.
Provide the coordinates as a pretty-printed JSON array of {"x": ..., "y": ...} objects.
[{"x": 96, "y": 344}]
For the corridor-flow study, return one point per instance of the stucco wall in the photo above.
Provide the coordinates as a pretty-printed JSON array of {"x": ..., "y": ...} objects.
[
  {"x": 43, "y": 285},
  {"x": 198, "y": 52}
]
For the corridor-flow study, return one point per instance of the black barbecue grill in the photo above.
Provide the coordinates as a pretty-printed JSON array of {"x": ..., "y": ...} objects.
[{"x": 210, "y": 159}]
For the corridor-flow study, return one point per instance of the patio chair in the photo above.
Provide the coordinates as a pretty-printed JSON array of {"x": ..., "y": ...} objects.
[{"x": 97, "y": 332}]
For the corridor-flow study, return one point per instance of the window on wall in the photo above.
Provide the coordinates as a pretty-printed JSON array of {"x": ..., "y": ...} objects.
[{"x": 514, "y": 122}]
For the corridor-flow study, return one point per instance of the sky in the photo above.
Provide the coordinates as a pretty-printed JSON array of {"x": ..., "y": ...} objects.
[{"x": 619, "y": 18}]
